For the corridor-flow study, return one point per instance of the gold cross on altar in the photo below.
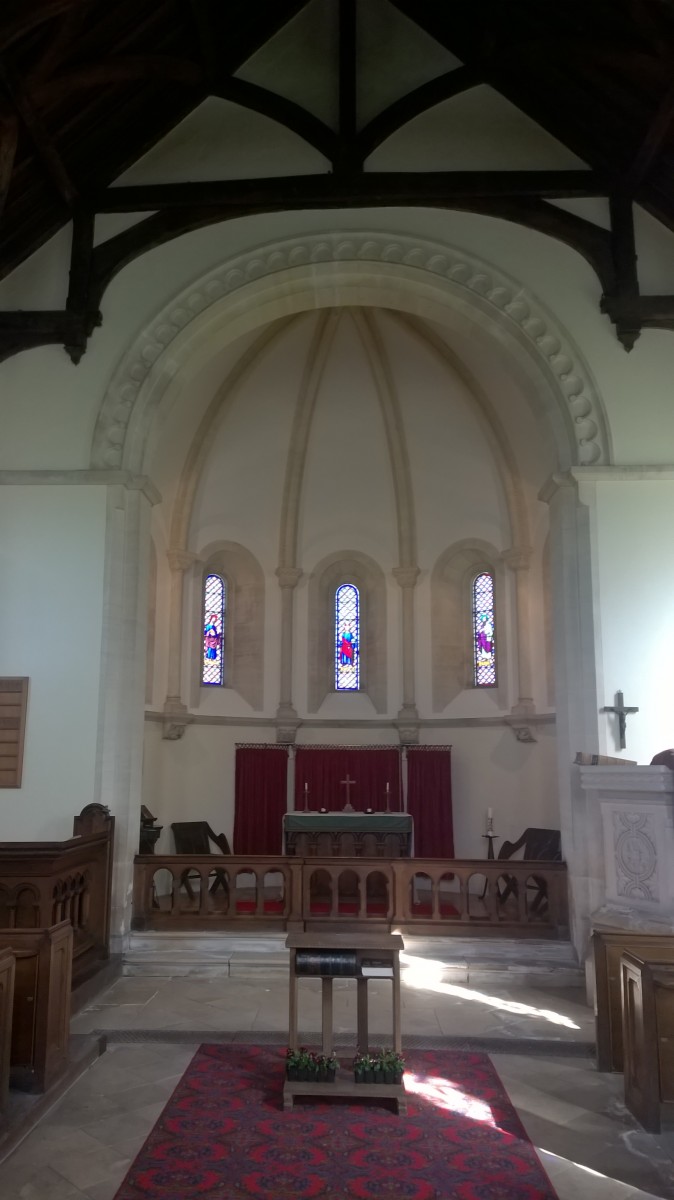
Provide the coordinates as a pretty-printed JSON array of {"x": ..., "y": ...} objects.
[{"x": 348, "y": 784}]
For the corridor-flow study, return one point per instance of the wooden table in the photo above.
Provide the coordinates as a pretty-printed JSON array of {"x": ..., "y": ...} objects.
[
  {"x": 358, "y": 946},
  {"x": 348, "y": 834}
]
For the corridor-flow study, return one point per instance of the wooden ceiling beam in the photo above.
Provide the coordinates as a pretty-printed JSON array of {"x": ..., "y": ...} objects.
[
  {"x": 387, "y": 187},
  {"x": 9, "y": 132},
  {"x": 347, "y": 83},
  {"x": 652, "y": 143},
  {"x": 387, "y": 122},
  {"x": 277, "y": 108},
  {"x": 122, "y": 69},
  {"x": 44, "y": 146},
  {"x": 19, "y": 17}
]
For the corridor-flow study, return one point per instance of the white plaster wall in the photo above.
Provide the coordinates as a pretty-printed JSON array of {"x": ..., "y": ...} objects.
[
  {"x": 51, "y": 595},
  {"x": 633, "y": 582}
]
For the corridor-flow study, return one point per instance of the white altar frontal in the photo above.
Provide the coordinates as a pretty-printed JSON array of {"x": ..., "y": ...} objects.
[{"x": 636, "y": 804}]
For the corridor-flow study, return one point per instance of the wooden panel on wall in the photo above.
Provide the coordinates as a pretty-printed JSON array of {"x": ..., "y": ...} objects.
[
  {"x": 6, "y": 1005},
  {"x": 13, "y": 700}
]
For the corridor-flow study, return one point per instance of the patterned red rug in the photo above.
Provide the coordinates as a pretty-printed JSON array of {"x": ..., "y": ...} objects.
[{"x": 224, "y": 1136}]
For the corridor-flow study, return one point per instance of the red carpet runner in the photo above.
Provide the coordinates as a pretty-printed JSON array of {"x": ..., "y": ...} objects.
[{"x": 224, "y": 1136}]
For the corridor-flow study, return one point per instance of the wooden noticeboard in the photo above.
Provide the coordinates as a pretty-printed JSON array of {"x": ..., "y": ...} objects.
[{"x": 13, "y": 701}]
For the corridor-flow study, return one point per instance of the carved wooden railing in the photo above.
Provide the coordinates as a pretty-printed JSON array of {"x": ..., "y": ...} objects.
[
  {"x": 424, "y": 895},
  {"x": 43, "y": 883}
]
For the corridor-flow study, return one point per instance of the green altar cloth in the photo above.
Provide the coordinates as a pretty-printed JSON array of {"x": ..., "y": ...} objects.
[{"x": 347, "y": 822}]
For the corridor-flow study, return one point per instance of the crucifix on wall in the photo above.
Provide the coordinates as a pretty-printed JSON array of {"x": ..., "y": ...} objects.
[
  {"x": 621, "y": 712},
  {"x": 348, "y": 784}
]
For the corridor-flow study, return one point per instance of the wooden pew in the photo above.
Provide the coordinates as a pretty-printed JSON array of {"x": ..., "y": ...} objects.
[
  {"x": 608, "y": 948},
  {"x": 41, "y": 1006},
  {"x": 6, "y": 1004},
  {"x": 648, "y": 1039}
]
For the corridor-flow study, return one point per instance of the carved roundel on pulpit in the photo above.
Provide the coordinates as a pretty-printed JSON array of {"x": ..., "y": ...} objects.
[{"x": 636, "y": 856}]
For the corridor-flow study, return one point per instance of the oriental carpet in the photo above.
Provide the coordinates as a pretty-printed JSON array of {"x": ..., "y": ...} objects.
[{"x": 224, "y": 1136}]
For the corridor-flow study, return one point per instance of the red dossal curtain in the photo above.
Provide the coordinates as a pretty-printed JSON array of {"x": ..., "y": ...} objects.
[
  {"x": 260, "y": 799},
  {"x": 323, "y": 767},
  {"x": 429, "y": 800}
]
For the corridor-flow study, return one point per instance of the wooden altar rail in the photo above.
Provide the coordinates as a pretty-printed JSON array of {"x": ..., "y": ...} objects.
[
  {"x": 514, "y": 898},
  {"x": 43, "y": 883}
]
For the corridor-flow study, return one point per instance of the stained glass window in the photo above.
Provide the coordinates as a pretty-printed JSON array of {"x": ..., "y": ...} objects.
[
  {"x": 215, "y": 594},
  {"x": 347, "y": 642},
  {"x": 484, "y": 642}
]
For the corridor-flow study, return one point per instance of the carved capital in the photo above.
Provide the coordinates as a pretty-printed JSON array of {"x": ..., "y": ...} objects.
[
  {"x": 287, "y": 724},
  {"x": 288, "y": 577},
  {"x": 175, "y": 719},
  {"x": 180, "y": 560},
  {"x": 406, "y": 576},
  {"x": 517, "y": 559},
  {"x": 521, "y": 728},
  {"x": 407, "y": 724}
]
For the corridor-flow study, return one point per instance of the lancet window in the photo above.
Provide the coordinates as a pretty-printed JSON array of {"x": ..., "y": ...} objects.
[
  {"x": 484, "y": 630},
  {"x": 214, "y": 610},
  {"x": 347, "y": 638}
]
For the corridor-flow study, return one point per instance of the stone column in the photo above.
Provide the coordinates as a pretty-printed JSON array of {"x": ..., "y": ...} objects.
[
  {"x": 121, "y": 724},
  {"x": 286, "y": 715},
  {"x": 179, "y": 562},
  {"x": 519, "y": 562},
  {"x": 576, "y": 691},
  {"x": 408, "y": 716}
]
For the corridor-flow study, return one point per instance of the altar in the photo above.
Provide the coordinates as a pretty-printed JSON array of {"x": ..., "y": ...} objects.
[{"x": 348, "y": 834}]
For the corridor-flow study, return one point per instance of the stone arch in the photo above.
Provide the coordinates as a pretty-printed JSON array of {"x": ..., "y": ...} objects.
[
  {"x": 440, "y": 283},
  {"x": 244, "y": 621},
  {"x": 451, "y": 631},
  {"x": 347, "y": 566}
]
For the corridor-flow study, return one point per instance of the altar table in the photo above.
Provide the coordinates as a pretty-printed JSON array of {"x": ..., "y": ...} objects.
[{"x": 348, "y": 834}]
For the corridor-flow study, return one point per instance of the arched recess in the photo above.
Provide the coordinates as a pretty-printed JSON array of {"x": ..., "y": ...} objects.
[
  {"x": 432, "y": 281},
  {"x": 244, "y": 620},
  {"x": 451, "y": 623},
  {"x": 347, "y": 566}
]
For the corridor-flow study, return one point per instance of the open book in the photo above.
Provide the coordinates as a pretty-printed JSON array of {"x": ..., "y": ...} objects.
[{"x": 382, "y": 967}]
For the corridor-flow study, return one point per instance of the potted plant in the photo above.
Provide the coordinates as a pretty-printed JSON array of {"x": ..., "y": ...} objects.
[
  {"x": 363, "y": 1068},
  {"x": 300, "y": 1064},
  {"x": 392, "y": 1066},
  {"x": 327, "y": 1066}
]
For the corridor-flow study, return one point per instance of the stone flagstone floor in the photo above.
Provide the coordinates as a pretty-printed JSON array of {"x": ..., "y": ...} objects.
[{"x": 589, "y": 1144}]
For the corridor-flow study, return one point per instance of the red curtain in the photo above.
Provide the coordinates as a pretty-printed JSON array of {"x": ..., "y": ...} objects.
[
  {"x": 322, "y": 768},
  {"x": 260, "y": 799},
  {"x": 429, "y": 800}
]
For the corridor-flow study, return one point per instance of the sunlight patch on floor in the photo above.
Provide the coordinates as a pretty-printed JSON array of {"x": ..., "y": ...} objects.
[
  {"x": 426, "y": 974},
  {"x": 444, "y": 1094}
]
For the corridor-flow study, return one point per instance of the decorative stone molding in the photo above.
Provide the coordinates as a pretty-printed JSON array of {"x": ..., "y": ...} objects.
[
  {"x": 413, "y": 262},
  {"x": 288, "y": 577},
  {"x": 407, "y": 725},
  {"x": 175, "y": 719},
  {"x": 523, "y": 733},
  {"x": 516, "y": 559},
  {"x": 406, "y": 576},
  {"x": 180, "y": 560}
]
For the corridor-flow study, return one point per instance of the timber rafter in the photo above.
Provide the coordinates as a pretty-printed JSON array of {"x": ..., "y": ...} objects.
[{"x": 86, "y": 88}]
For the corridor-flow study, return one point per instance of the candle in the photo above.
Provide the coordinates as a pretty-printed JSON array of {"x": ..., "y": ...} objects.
[
  {"x": 306, "y": 788},
  {"x": 387, "y": 788},
  {"x": 490, "y": 813}
]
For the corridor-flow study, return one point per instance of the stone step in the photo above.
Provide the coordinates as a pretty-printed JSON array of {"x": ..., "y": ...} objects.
[{"x": 485, "y": 961}]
